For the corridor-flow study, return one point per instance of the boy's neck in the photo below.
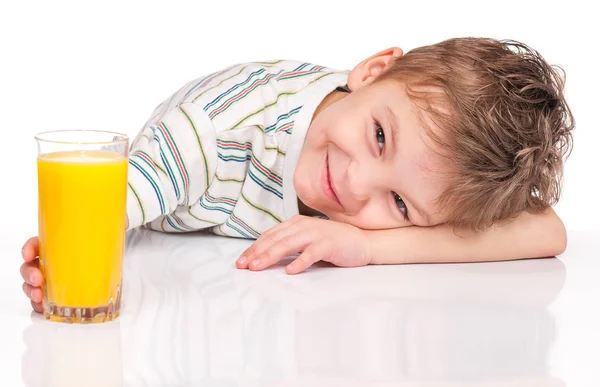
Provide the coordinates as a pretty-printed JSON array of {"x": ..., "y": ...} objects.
[
  {"x": 303, "y": 209},
  {"x": 330, "y": 99}
]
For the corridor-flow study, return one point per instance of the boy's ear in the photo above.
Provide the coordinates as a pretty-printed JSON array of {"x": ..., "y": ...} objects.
[{"x": 369, "y": 69}]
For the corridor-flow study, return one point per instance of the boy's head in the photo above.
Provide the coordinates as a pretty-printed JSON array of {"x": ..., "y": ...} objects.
[{"x": 467, "y": 131}]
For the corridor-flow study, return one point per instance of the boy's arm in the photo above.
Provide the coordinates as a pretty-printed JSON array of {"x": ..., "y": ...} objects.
[
  {"x": 526, "y": 236},
  {"x": 171, "y": 163}
]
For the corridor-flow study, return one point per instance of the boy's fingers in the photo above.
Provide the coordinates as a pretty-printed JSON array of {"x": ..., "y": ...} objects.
[
  {"x": 37, "y": 306},
  {"x": 33, "y": 293},
  {"x": 30, "y": 249},
  {"x": 37, "y": 294},
  {"x": 31, "y": 273},
  {"x": 263, "y": 243},
  {"x": 305, "y": 260},
  {"x": 27, "y": 289},
  {"x": 288, "y": 245},
  {"x": 242, "y": 262}
]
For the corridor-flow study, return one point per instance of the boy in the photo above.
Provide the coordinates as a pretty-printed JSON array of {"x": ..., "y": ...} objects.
[{"x": 468, "y": 134}]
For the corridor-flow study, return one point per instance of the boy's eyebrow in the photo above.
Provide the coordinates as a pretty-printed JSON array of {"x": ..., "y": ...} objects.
[{"x": 392, "y": 121}]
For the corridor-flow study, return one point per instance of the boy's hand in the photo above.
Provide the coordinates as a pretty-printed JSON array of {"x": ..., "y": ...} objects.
[
  {"x": 32, "y": 275},
  {"x": 316, "y": 240}
]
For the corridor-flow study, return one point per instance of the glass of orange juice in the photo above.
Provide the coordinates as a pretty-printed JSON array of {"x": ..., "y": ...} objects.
[{"x": 82, "y": 186}]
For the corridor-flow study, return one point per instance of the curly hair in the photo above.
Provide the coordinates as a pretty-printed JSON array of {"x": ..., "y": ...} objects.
[{"x": 502, "y": 123}]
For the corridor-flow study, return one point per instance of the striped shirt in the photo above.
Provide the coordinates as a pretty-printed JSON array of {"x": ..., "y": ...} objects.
[{"x": 220, "y": 153}]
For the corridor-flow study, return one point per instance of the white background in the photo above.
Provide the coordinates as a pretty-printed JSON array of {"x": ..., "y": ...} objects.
[{"x": 106, "y": 65}]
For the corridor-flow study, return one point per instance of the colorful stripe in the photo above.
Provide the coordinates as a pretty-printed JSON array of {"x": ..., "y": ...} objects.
[
  {"x": 255, "y": 165},
  {"x": 262, "y": 109},
  {"x": 260, "y": 208},
  {"x": 303, "y": 65},
  {"x": 139, "y": 201},
  {"x": 269, "y": 174},
  {"x": 266, "y": 64},
  {"x": 220, "y": 200},
  {"x": 173, "y": 222},
  {"x": 152, "y": 183},
  {"x": 237, "y": 159},
  {"x": 212, "y": 203},
  {"x": 286, "y": 128},
  {"x": 176, "y": 154},
  {"x": 233, "y": 145},
  {"x": 233, "y": 227},
  {"x": 232, "y": 89},
  {"x": 230, "y": 145},
  {"x": 146, "y": 157},
  {"x": 170, "y": 173},
  {"x": 199, "y": 141},
  {"x": 282, "y": 118},
  {"x": 240, "y": 96},
  {"x": 201, "y": 84},
  {"x": 298, "y": 74},
  {"x": 228, "y": 180},
  {"x": 213, "y": 208},
  {"x": 242, "y": 224},
  {"x": 264, "y": 186},
  {"x": 200, "y": 219},
  {"x": 279, "y": 151}
]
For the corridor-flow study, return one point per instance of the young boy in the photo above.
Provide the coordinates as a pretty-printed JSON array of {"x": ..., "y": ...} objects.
[{"x": 400, "y": 153}]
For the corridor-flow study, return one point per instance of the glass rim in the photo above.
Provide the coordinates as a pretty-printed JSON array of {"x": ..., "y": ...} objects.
[{"x": 123, "y": 138}]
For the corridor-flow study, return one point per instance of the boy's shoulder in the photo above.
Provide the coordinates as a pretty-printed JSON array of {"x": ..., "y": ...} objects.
[
  {"x": 286, "y": 68},
  {"x": 241, "y": 79},
  {"x": 252, "y": 93},
  {"x": 256, "y": 93}
]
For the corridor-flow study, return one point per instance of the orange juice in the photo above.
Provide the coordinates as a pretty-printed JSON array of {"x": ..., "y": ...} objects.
[{"x": 82, "y": 197}]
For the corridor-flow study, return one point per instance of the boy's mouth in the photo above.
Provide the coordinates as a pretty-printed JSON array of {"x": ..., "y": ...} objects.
[{"x": 326, "y": 183}]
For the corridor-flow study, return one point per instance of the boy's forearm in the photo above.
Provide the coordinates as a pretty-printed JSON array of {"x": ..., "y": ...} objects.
[{"x": 527, "y": 236}]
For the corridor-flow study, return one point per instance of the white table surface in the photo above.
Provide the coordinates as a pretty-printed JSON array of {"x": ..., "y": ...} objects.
[{"x": 190, "y": 318}]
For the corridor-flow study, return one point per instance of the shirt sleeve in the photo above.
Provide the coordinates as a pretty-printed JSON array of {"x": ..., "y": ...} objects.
[{"x": 172, "y": 162}]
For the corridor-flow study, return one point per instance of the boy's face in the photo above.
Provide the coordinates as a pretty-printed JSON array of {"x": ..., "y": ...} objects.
[{"x": 356, "y": 169}]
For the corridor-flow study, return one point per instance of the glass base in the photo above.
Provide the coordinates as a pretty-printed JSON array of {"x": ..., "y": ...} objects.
[{"x": 75, "y": 315}]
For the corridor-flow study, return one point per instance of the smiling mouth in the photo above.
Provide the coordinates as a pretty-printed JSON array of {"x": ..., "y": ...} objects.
[{"x": 326, "y": 182}]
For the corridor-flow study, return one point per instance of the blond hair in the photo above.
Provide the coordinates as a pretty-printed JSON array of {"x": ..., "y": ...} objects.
[{"x": 502, "y": 123}]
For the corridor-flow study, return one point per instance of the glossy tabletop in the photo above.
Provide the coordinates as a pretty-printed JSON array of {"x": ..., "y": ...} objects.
[{"x": 190, "y": 318}]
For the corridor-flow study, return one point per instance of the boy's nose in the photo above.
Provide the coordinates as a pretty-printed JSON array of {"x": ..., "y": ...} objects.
[{"x": 361, "y": 184}]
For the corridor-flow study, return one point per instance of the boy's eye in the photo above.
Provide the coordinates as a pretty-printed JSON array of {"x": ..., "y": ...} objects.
[
  {"x": 400, "y": 204},
  {"x": 380, "y": 136}
]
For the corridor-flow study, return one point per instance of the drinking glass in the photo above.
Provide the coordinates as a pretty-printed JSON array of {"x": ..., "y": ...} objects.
[{"x": 82, "y": 187}]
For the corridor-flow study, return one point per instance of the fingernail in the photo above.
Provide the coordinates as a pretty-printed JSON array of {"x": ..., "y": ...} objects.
[
  {"x": 242, "y": 260},
  {"x": 31, "y": 279},
  {"x": 256, "y": 262},
  {"x": 291, "y": 266}
]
